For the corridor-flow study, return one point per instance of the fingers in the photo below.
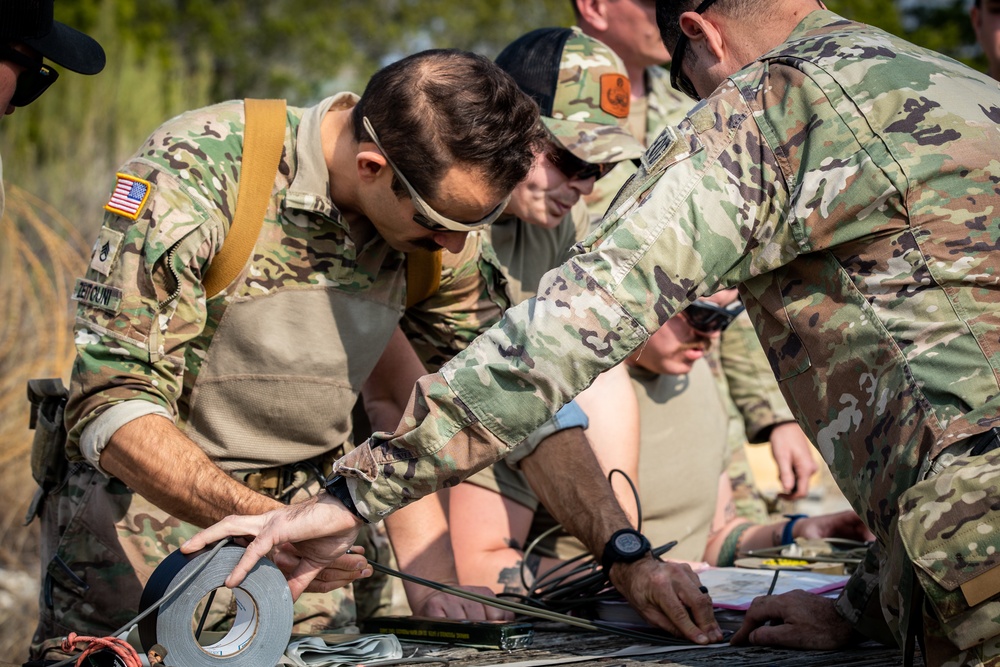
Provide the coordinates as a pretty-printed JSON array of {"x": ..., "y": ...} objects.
[
  {"x": 229, "y": 527},
  {"x": 762, "y": 610},
  {"x": 444, "y": 605},
  {"x": 668, "y": 596}
]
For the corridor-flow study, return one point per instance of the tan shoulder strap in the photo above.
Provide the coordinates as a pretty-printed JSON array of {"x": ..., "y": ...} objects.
[
  {"x": 423, "y": 275},
  {"x": 263, "y": 141}
]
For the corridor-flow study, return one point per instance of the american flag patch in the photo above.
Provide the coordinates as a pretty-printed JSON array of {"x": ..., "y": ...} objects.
[{"x": 129, "y": 196}]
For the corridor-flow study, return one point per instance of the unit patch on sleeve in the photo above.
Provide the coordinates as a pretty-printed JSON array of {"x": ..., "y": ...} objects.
[
  {"x": 98, "y": 295},
  {"x": 106, "y": 250},
  {"x": 129, "y": 196}
]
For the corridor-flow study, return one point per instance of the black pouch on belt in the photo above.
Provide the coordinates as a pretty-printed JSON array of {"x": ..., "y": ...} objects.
[{"x": 48, "y": 449}]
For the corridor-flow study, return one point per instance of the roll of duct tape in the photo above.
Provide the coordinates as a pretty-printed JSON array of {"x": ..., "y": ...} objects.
[{"x": 260, "y": 630}]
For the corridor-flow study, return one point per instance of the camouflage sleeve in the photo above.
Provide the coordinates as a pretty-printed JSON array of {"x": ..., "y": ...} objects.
[
  {"x": 470, "y": 299},
  {"x": 859, "y": 601},
  {"x": 705, "y": 192},
  {"x": 751, "y": 382},
  {"x": 140, "y": 303}
]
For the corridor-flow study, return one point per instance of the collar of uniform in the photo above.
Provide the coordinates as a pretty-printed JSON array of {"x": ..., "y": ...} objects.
[
  {"x": 813, "y": 21},
  {"x": 310, "y": 189}
]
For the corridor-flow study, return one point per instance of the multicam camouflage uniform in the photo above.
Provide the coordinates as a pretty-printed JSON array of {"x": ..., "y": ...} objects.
[
  {"x": 262, "y": 375},
  {"x": 752, "y": 397},
  {"x": 844, "y": 180}
]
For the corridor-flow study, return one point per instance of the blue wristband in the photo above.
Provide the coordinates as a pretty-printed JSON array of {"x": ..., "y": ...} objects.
[{"x": 786, "y": 534}]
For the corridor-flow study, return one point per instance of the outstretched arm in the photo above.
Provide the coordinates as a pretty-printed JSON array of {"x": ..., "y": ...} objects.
[{"x": 569, "y": 482}]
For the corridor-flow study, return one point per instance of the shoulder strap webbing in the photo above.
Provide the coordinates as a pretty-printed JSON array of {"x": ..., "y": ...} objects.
[
  {"x": 423, "y": 275},
  {"x": 263, "y": 141}
]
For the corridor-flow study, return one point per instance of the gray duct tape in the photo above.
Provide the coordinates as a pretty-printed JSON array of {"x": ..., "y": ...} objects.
[{"x": 260, "y": 631}]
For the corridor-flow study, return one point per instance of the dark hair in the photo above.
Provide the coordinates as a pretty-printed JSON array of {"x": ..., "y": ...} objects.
[
  {"x": 668, "y": 19},
  {"x": 576, "y": 10},
  {"x": 443, "y": 107},
  {"x": 668, "y": 14}
]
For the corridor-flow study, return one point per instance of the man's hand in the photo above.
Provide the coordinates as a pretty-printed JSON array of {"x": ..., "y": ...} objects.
[
  {"x": 667, "y": 595},
  {"x": 792, "y": 452},
  {"x": 339, "y": 573},
  {"x": 794, "y": 620},
  {"x": 437, "y": 604},
  {"x": 846, "y": 524},
  {"x": 322, "y": 530}
]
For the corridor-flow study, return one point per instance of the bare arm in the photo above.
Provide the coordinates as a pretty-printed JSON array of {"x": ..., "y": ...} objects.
[
  {"x": 842, "y": 524},
  {"x": 488, "y": 534},
  {"x": 419, "y": 531},
  {"x": 154, "y": 458},
  {"x": 613, "y": 413},
  {"x": 568, "y": 480}
]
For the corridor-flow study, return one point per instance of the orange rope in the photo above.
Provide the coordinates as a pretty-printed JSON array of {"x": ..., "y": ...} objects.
[{"x": 120, "y": 647}]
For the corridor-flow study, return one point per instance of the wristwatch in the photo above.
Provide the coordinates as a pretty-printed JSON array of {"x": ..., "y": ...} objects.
[
  {"x": 337, "y": 487},
  {"x": 625, "y": 546}
]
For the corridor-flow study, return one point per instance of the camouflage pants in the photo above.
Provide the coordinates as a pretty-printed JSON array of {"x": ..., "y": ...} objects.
[
  {"x": 948, "y": 526},
  {"x": 100, "y": 543}
]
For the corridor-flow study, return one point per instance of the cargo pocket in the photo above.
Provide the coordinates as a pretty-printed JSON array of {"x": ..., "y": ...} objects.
[{"x": 950, "y": 527}]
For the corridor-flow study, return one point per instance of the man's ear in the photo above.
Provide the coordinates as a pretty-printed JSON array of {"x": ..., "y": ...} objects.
[
  {"x": 370, "y": 165},
  {"x": 593, "y": 12},
  {"x": 698, "y": 28}
]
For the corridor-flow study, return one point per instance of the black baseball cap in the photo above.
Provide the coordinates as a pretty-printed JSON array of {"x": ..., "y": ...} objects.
[{"x": 31, "y": 22}]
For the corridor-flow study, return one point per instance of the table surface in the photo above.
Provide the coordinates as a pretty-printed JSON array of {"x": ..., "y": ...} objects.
[{"x": 587, "y": 648}]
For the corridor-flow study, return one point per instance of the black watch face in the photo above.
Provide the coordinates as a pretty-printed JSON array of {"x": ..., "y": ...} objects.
[{"x": 628, "y": 544}]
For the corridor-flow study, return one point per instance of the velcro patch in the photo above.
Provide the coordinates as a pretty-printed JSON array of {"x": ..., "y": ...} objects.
[
  {"x": 98, "y": 295},
  {"x": 616, "y": 95},
  {"x": 106, "y": 250},
  {"x": 129, "y": 196}
]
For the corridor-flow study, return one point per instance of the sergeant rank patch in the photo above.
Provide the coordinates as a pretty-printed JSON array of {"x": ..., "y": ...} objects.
[
  {"x": 98, "y": 295},
  {"x": 129, "y": 196},
  {"x": 105, "y": 251}
]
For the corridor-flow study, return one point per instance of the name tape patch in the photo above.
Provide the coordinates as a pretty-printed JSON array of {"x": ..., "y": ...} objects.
[
  {"x": 98, "y": 295},
  {"x": 129, "y": 196}
]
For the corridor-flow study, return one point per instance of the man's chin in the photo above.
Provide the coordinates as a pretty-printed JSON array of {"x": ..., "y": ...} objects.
[{"x": 418, "y": 244}]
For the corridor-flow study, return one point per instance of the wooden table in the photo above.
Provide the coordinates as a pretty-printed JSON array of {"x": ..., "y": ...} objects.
[{"x": 589, "y": 649}]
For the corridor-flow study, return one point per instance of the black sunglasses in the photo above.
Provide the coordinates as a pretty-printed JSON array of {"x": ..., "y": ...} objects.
[
  {"x": 677, "y": 78},
  {"x": 33, "y": 81},
  {"x": 573, "y": 167},
  {"x": 706, "y": 317}
]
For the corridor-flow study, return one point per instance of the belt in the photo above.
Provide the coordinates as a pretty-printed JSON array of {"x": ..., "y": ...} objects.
[{"x": 282, "y": 482}]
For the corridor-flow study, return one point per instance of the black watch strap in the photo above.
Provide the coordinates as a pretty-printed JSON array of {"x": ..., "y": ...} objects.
[
  {"x": 625, "y": 546},
  {"x": 337, "y": 487}
]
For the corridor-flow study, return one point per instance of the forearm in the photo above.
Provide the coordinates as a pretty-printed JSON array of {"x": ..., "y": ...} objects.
[
  {"x": 568, "y": 480},
  {"x": 420, "y": 541},
  {"x": 155, "y": 459},
  {"x": 613, "y": 433}
]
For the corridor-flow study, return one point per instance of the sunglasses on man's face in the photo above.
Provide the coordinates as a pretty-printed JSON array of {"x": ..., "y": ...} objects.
[
  {"x": 424, "y": 215},
  {"x": 33, "y": 81},
  {"x": 708, "y": 318},
  {"x": 677, "y": 77},
  {"x": 573, "y": 167}
]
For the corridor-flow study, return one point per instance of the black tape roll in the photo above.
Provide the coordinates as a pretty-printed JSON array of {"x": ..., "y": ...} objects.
[{"x": 263, "y": 623}]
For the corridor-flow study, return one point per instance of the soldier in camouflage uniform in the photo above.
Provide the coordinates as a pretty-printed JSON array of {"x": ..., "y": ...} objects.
[
  {"x": 844, "y": 179},
  {"x": 757, "y": 412},
  {"x": 176, "y": 400}
]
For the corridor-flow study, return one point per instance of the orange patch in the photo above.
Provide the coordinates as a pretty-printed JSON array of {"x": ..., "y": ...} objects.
[{"x": 616, "y": 94}]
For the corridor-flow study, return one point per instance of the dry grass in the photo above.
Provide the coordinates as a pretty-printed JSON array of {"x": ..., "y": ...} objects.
[{"x": 41, "y": 253}]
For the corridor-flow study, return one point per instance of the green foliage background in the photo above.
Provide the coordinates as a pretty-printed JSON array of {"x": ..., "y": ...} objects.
[{"x": 166, "y": 56}]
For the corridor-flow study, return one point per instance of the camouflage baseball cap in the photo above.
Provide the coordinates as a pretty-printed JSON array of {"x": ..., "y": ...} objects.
[{"x": 581, "y": 88}]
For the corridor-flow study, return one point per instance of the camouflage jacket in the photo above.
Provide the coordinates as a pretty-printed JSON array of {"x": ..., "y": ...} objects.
[
  {"x": 843, "y": 180},
  {"x": 665, "y": 107},
  {"x": 266, "y": 372}
]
